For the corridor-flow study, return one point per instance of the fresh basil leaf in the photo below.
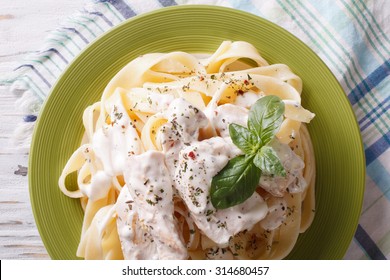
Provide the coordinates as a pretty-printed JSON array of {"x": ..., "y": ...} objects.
[
  {"x": 268, "y": 161},
  {"x": 265, "y": 117},
  {"x": 238, "y": 180},
  {"x": 244, "y": 139},
  {"x": 235, "y": 183}
]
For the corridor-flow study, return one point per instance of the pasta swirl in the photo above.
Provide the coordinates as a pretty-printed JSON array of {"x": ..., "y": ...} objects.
[{"x": 157, "y": 137}]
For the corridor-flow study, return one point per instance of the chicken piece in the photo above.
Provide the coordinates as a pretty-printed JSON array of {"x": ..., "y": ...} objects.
[
  {"x": 293, "y": 164},
  {"x": 150, "y": 186},
  {"x": 135, "y": 237},
  {"x": 198, "y": 164},
  {"x": 226, "y": 114}
]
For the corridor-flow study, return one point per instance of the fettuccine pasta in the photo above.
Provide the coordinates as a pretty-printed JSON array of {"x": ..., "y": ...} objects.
[{"x": 159, "y": 135}]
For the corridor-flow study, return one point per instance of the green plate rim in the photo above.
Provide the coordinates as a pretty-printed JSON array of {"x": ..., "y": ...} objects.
[{"x": 91, "y": 45}]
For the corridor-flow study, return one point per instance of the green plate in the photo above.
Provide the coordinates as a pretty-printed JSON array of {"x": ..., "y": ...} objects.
[{"x": 199, "y": 29}]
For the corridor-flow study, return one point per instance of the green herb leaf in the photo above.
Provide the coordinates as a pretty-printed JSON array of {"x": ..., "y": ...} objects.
[
  {"x": 268, "y": 161},
  {"x": 265, "y": 117},
  {"x": 238, "y": 180},
  {"x": 244, "y": 139},
  {"x": 235, "y": 183}
]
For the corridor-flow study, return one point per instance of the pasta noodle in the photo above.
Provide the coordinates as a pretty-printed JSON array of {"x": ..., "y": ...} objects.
[{"x": 157, "y": 137}]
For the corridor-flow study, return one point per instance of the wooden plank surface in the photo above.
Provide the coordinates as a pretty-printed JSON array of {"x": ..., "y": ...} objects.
[{"x": 23, "y": 26}]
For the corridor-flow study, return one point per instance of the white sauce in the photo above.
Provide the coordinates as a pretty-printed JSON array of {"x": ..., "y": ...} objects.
[
  {"x": 182, "y": 128},
  {"x": 150, "y": 185},
  {"x": 193, "y": 179},
  {"x": 146, "y": 225},
  {"x": 185, "y": 121},
  {"x": 112, "y": 144},
  {"x": 153, "y": 102},
  {"x": 293, "y": 164},
  {"x": 134, "y": 237},
  {"x": 227, "y": 114},
  {"x": 193, "y": 164},
  {"x": 247, "y": 99},
  {"x": 99, "y": 187},
  {"x": 277, "y": 211}
]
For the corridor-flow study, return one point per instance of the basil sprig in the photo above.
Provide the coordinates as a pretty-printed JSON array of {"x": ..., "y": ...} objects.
[{"x": 238, "y": 180}]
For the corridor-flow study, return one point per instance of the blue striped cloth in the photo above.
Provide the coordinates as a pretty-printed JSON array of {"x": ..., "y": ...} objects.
[{"x": 352, "y": 37}]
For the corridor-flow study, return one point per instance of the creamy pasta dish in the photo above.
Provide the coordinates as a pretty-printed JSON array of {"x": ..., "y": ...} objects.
[{"x": 195, "y": 157}]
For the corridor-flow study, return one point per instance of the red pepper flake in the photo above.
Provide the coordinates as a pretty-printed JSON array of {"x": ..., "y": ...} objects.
[
  {"x": 240, "y": 91},
  {"x": 201, "y": 78},
  {"x": 246, "y": 82},
  {"x": 192, "y": 155}
]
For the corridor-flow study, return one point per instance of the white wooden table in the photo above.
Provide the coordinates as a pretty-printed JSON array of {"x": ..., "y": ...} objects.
[{"x": 23, "y": 26}]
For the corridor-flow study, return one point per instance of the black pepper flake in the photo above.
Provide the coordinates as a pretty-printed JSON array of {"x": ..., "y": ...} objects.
[{"x": 150, "y": 202}]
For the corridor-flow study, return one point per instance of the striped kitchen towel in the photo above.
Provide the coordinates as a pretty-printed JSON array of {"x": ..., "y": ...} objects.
[{"x": 352, "y": 38}]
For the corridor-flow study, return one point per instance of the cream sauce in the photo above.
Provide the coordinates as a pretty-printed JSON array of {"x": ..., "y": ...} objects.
[
  {"x": 149, "y": 184},
  {"x": 226, "y": 114},
  {"x": 182, "y": 128},
  {"x": 193, "y": 179},
  {"x": 194, "y": 163},
  {"x": 148, "y": 229},
  {"x": 247, "y": 99},
  {"x": 293, "y": 164},
  {"x": 114, "y": 143},
  {"x": 135, "y": 238}
]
